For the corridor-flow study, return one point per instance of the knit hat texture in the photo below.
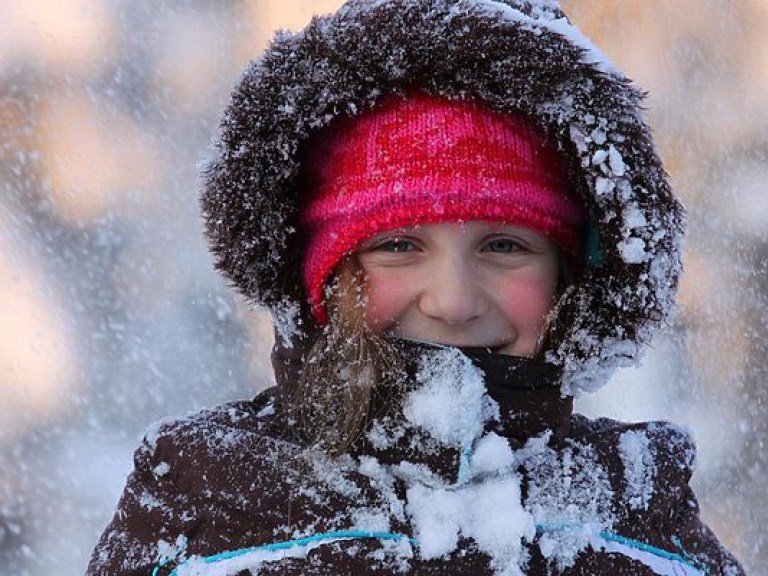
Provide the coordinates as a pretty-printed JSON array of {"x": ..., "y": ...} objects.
[{"x": 426, "y": 159}]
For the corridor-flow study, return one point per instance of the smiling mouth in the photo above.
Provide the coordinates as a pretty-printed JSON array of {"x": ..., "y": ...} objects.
[{"x": 492, "y": 348}]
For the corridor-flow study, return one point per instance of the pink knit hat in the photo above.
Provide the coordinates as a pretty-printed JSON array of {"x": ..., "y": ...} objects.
[{"x": 426, "y": 159}]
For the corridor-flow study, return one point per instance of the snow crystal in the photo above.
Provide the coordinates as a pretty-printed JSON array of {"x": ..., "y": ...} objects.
[
  {"x": 592, "y": 54},
  {"x": 610, "y": 158},
  {"x": 599, "y": 157},
  {"x": 604, "y": 185},
  {"x": 679, "y": 439},
  {"x": 149, "y": 501},
  {"x": 451, "y": 404},
  {"x": 384, "y": 433},
  {"x": 155, "y": 431},
  {"x": 588, "y": 374},
  {"x": 599, "y": 135},
  {"x": 161, "y": 469},
  {"x": 633, "y": 251},
  {"x": 412, "y": 473},
  {"x": 639, "y": 468},
  {"x": 333, "y": 474},
  {"x": 634, "y": 217},
  {"x": 384, "y": 480},
  {"x": 285, "y": 315},
  {"x": 171, "y": 550},
  {"x": 616, "y": 161},
  {"x": 579, "y": 139},
  {"x": 370, "y": 520}
]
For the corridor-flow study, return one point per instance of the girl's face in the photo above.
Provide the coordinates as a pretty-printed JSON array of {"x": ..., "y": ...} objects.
[{"x": 469, "y": 284}]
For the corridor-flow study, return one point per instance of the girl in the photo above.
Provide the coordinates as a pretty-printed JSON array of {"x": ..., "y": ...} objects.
[{"x": 455, "y": 212}]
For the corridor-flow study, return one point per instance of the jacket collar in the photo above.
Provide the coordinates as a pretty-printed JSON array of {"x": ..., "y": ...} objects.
[{"x": 526, "y": 391}]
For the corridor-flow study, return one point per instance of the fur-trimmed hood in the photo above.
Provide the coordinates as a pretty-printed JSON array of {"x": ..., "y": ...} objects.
[{"x": 515, "y": 55}]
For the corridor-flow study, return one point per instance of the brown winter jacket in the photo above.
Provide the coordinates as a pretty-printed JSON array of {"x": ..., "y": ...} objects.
[
  {"x": 534, "y": 489},
  {"x": 227, "y": 484}
]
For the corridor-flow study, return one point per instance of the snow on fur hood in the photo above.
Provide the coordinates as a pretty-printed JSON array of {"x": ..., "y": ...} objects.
[{"x": 515, "y": 55}]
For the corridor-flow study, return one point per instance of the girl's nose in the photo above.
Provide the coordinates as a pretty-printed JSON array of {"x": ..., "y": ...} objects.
[{"x": 452, "y": 294}]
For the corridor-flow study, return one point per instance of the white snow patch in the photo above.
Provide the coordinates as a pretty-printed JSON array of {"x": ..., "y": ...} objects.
[
  {"x": 492, "y": 455},
  {"x": 579, "y": 139},
  {"x": 161, "y": 469},
  {"x": 569, "y": 495},
  {"x": 633, "y": 250},
  {"x": 155, "y": 431},
  {"x": 598, "y": 135},
  {"x": 149, "y": 501},
  {"x": 371, "y": 520},
  {"x": 489, "y": 512},
  {"x": 599, "y": 157},
  {"x": 604, "y": 186},
  {"x": 639, "y": 468},
  {"x": 171, "y": 550},
  {"x": 451, "y": 404},
  {"x": 547, "y": 20},
  {"x": 634, "y": 217},
  {"x": 384, "y": 433},
  {"x": 616, "y": 161}
]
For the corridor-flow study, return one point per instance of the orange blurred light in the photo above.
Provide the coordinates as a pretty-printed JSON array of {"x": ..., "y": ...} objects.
[
  {"x": 72, "y": 34},
  {"x": 97, "y": 160},
  {"x": 38, "y": 364}
]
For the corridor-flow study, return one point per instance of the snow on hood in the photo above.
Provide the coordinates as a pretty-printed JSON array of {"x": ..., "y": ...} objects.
[{"x": 517, "y": 55}]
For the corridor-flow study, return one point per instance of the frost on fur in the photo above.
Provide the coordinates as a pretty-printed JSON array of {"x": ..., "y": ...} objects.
[{"x": 345, "y": 62}]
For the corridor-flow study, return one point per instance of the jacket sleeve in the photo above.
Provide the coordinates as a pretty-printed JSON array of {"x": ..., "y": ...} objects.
[
  {"x": 697, "y": 542},
  {"x": 682, "y": 525},
  {"x": 151, "y": 515}
]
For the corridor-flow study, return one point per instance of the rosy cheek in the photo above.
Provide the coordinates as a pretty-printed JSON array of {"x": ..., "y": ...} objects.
[
  {"x": 386, "y": 300},
  {"x": 527, "y": 304}
]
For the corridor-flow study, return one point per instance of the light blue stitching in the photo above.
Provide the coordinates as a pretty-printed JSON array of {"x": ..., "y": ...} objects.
[
  {"x": 464, "y": 463},
  {"x": 352, "y": 534},
  {"x": 541, "y": 528},
  {"x": 652, "y": 549},
  {"x": 346, "y": 534}
]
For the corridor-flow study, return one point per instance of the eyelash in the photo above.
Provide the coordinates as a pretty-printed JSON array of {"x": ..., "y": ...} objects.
[
  {"x": 403, "y": 245},
  {"x": 391, "y": 245},
  {"x": 514, "y": 245}
]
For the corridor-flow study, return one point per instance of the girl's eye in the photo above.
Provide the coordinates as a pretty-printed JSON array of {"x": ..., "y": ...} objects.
[
  {"x": 396, "y": 246},
  {"x": 503, "y": 245}
]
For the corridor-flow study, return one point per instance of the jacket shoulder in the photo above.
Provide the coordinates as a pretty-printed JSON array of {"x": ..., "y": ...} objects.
[
  {"x": 192, "y": 475},
  {"x": 645, "y": 469},
  {"x": 240, "y": 435},
  {"x": 644, "y": 450},
  {"x": 650, "y": 463}
]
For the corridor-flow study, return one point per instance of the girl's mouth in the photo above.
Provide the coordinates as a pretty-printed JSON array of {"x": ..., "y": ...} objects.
[{"x": 489, "y": 348}]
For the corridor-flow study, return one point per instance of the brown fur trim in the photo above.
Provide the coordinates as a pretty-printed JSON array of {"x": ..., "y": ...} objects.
[{"x": 512, "y": 56}]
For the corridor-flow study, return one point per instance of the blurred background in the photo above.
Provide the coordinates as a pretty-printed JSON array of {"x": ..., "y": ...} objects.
[{"x": 111, "y": 315}]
